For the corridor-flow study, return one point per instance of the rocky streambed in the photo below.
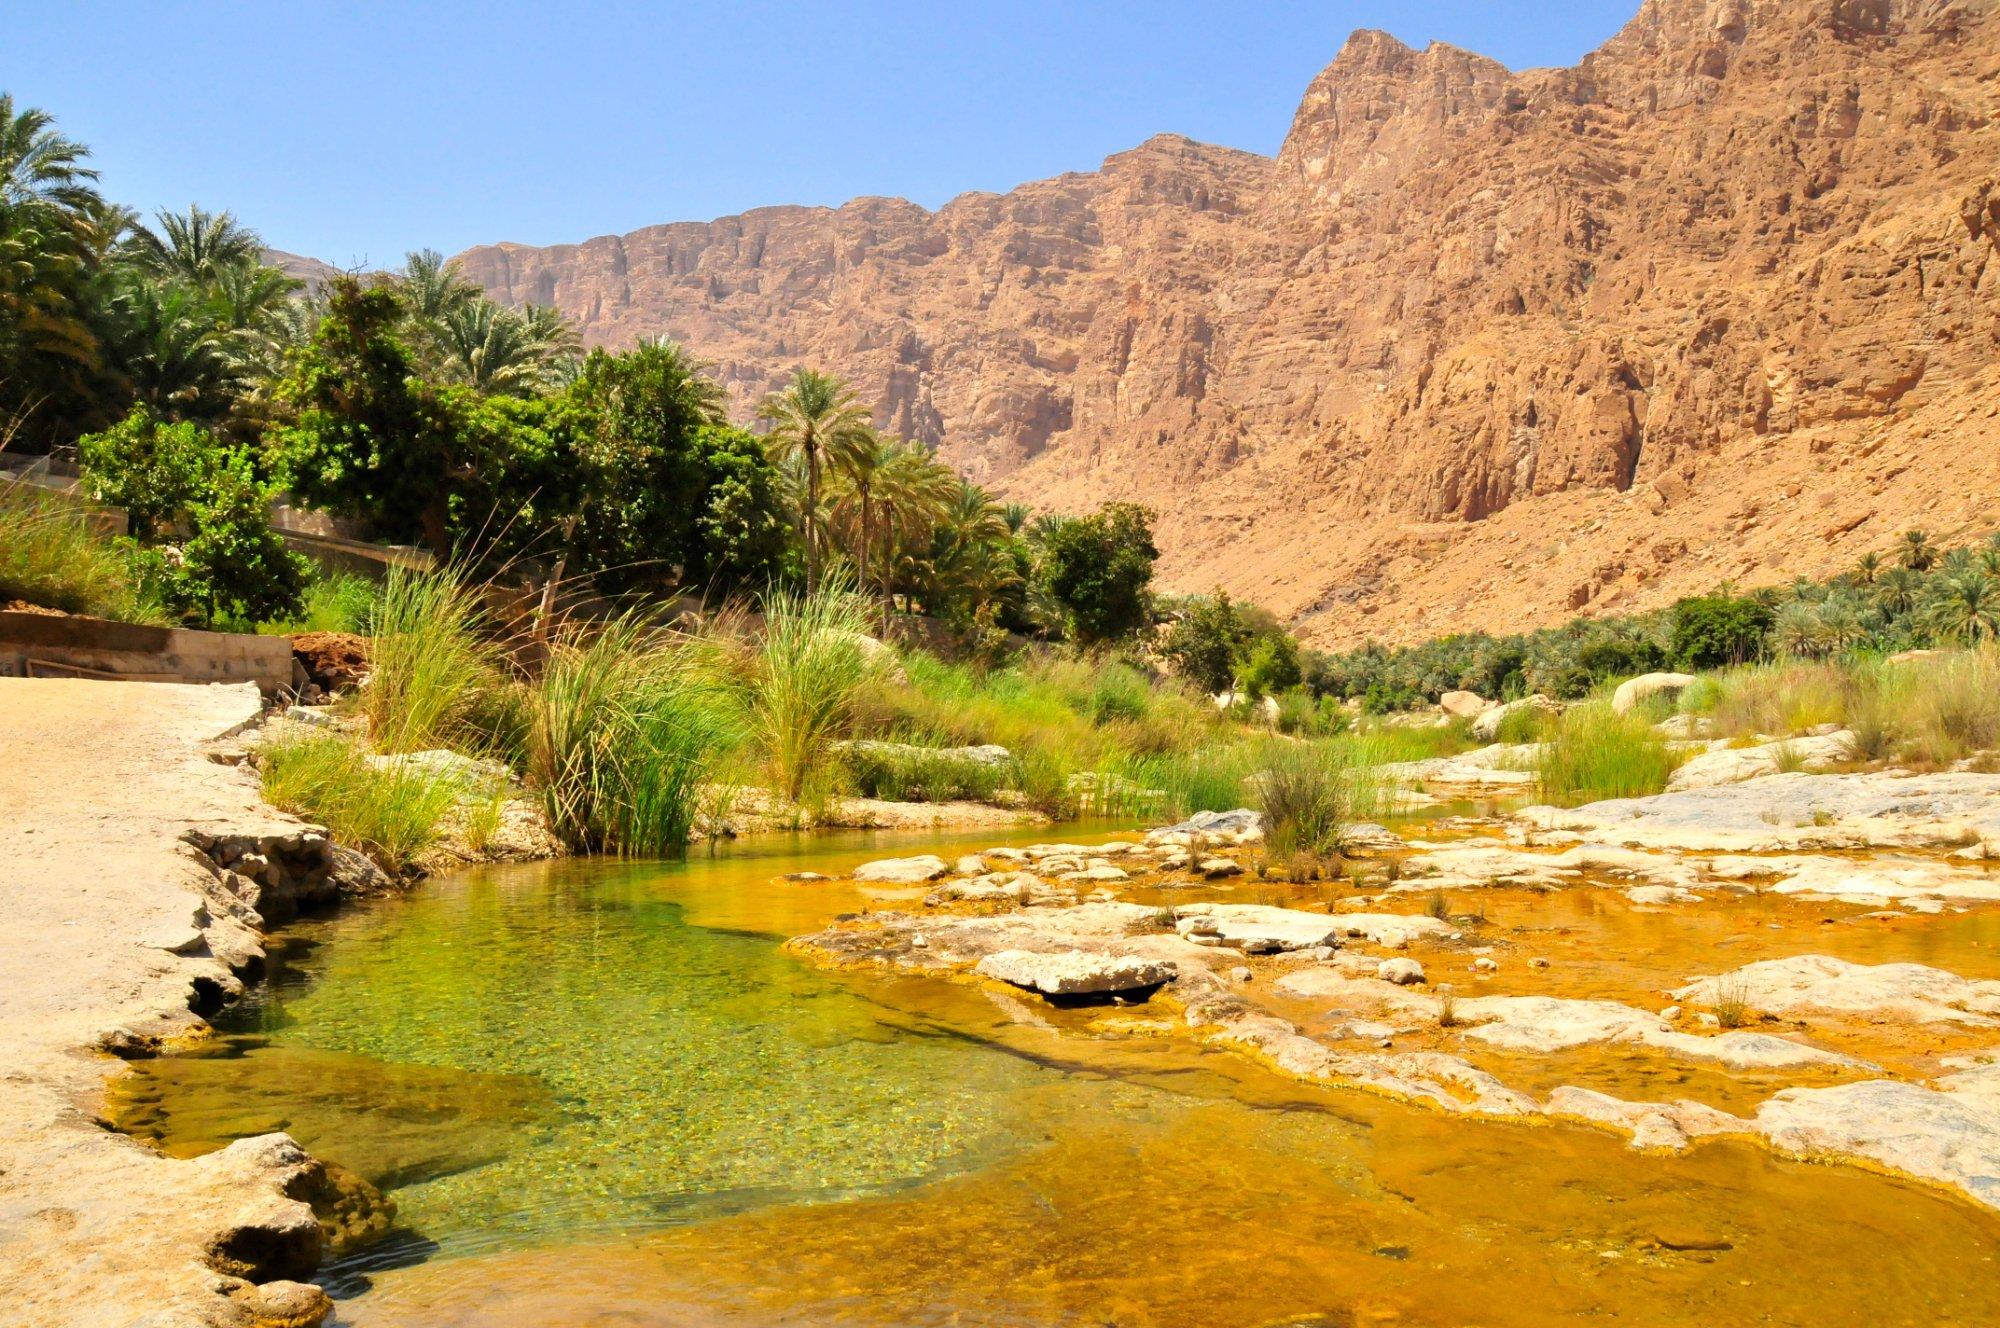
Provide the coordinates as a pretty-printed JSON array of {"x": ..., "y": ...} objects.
[{"x": 1756, "y": 987}]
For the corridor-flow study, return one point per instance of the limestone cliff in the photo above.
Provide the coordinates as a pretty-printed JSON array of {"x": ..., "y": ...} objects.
[{"x": 1477, "y": 349}]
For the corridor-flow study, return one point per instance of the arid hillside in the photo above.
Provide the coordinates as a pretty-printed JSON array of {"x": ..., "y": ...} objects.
[{"x": 1479, "y": 349}]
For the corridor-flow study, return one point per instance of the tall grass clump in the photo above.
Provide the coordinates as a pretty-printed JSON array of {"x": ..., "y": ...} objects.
[
  {"x": 1782, "y": 698},
  {"x": 433, "y": 671},
  {"x": 340, "y": 602},
  {"x": 623, "y": 732},
  {"x": 1928, "y": 711},
  {"x": 51, "y": 555},
  {"x": 1302, "y": 790},
  {"x": 1594, "y": 753},
  {"x": 392, "y": 812},
  {"x": 799, "y": 689}
]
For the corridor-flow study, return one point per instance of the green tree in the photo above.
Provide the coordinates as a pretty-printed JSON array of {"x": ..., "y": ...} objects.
[
  {"x": 1271, "y": 665},
  {"x": 1097, "y": 570},
  {"x": 1202, "y": 645},
  {"x": 1965, "y": 607},
  {"x": 153, "y": 469},
  {"x": 1714, "y": 630},
  {"x": 1916, "y": 551}
]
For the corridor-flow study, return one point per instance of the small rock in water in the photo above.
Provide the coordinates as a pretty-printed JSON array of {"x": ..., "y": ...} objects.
[
  {"x": 1402, "y": 972},
  {"x": 1075, "y": 972},
  {"x": 902, "y": 871},
  {"x": 1215, "y": 868},
  {"x": 971, "y": 865},
  {"x": 1484, "y": 965},
  {"x": 1538, "y": 962},
  {"x": 1708, "y": 1020},
  {"x": 803, "y": 878},
  {"x": 1671, "y": 1013},
  {"x": 920, "y": 943}
]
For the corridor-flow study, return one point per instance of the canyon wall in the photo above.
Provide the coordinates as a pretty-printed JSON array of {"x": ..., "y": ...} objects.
[{"x": 1477, "y": 349}]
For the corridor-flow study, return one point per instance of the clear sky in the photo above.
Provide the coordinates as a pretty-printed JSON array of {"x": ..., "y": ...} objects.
[{"x": 357, "y": 131}]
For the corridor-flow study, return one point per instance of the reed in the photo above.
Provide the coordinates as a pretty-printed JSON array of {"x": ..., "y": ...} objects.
[
  {"x": 390, "y": 811},
  {"x": 433, "y": 669},
  {"x": 1596, "y": 753}
]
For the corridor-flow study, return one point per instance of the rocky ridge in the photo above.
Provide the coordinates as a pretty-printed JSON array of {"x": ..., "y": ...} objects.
[{"x": 1717, "y": 302}]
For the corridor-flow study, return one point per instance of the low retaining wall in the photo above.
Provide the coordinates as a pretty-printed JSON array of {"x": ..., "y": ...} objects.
[{"x": 37, "y": 645}]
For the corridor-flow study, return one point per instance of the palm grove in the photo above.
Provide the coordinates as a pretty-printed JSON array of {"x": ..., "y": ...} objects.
[{"x": 198, "y": 384}]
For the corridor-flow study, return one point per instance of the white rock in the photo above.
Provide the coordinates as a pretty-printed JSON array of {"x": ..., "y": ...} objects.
[
  {"x": 1950, "y": 1136},
  {"x": 1812, "y": 982},
  {"x": 1402, "y": 972},
  {"x": 1648, "y": 685},
  {"x": 1487, "y": 726},
  {"x": 902, "y": 871},
  {"x": 1733, "y": 765},
  {"x": 1215, "y": 868},
  {"x": 970, "y": 865},
  {"x": 1463, "y": 705},
  {"x": 1075, "y": 972}
]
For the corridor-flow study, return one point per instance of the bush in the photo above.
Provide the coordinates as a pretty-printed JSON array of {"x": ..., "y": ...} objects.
[
  {"x": 1097, "y": 568},
  {"x": 1271, "y": 665},
  {"x": 156, "y": 471},
  {"x": 1595, "y": 753},
  {"x": 392, "y": 813},
  {"x": 1119, "y": 692},
  {"x": 1302, "y": 791},
  {"x": 1780, "y": 699},
  {"x": 1715, "y": 630},
  {"x": 800, "y": 687},
  {"x": 918, "y": 774},
  {"x": 1201, "y": 647}
]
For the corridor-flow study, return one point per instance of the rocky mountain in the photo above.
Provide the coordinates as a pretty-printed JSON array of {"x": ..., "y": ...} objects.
[{"x": 1478, "y": 349}]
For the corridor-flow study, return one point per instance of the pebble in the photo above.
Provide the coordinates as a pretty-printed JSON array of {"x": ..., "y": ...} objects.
[
  {"x": 1484, "y": 965},
  {"x": 1240, "y": 974},
  {"x": 1538, "y": 962},
  {"x": 1402, "y": 972},
  {"x": 1671, "y": 1013}
]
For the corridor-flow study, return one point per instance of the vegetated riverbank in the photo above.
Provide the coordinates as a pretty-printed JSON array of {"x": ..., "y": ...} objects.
[{"x": 123, "y": 922}]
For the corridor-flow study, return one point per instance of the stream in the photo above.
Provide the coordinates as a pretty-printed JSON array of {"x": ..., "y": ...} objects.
[{"x": 602, "y": 1093}]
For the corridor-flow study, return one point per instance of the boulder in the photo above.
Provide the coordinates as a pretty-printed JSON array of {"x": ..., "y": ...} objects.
[
  {"x": 1076, "y": 972},
  {"x": 1486, "y": 726},
  {"x": 1633, "y": 691},
  {"x": 1254, "y": 928},
  {"x": 902, "y": 871},
  {"x": 1240, "y": 827},
  {"x": 1463, "y": 705},
  {"x": 1733, "y": 765},
  {"x": 1402, "y": 972}
]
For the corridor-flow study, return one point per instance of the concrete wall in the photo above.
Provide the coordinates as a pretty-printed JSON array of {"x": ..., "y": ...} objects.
[{"x": 44, "y": 645}]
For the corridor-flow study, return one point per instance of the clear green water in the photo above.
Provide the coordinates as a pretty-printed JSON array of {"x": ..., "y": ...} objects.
[{"x": 591, "y": 1047}]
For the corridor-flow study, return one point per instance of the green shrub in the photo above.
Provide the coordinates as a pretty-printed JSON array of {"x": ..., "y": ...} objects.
[
  {"x": 917, "y": 774},
  {"x": 1595, "y": 753},
  {"x": 1119, "y": 692},
  {"x": 1714, "y": 630},
  {"x": 1302, "y": 791},
  {"x": 1782, "y": 698},
  {"x": 1525, "y": 724},
  {"x": 392, "y": 812}
]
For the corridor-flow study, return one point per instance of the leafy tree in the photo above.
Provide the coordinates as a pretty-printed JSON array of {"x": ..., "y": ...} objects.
[
  {"x": 1202, "y": 646},
  {"x": 1097, "y": 570},
  {"x": 154, "y": 470},
  {"x": 1271, "y": 665},
  {"x": 1714, "y": 630}
]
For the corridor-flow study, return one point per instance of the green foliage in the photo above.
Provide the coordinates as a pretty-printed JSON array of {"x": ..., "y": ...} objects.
[
  {"x": 155, "y": 470},
  {"x": 390, "y": 811},
  {"x": 921, "y": 774},
  {"x": 1303, "y": 793},
  {"x": 176, "y": 480},
  {"x": 1271, "y": 665},
  {"x": 435, "y": 673},
  {"x": 1595, "y": 753},
  {"x": 1202, "y": 645},
  {"x": 52, "y": 555},
  {"x": 1097, "y": 568},
  {"x": 799, "y": 686},
  {"x": 1713, "y": 630},
  {"x": 623, "y": 733}
]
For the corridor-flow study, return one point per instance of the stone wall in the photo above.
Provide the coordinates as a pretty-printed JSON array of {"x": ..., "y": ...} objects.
[{"x": 47, "y": 645}]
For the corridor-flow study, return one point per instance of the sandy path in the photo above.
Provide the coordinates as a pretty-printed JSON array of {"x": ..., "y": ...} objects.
[{"x": 97, "y": 782}]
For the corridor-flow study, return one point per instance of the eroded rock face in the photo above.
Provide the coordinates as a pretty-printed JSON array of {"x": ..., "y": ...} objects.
[{"x": 1722, "y": 293}]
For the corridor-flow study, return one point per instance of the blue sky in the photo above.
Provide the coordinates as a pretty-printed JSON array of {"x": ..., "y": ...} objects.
[{"x": 358, "y": 131}]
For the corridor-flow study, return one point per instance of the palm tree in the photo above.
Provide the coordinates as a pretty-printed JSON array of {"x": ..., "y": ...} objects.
[
  {"x": 1796, "y": 630},
  {"x": 434, "y": 287},
  {"x": 1898, "y": 590},
  {"x": 858, "y": 469},
  {"x": 1916, "y": 551},
  {"x": 1841, "y": 624},
  {"x": 490, "y": 349},
  {"x": 39, "y": 168},
  {"x": 1868, "y": 568},
  {"x": 52, "y": 242},
  {"x": 196, "y": 246},
  {"x": 1965, "y": 607},
  {"x": 816, "y": 418}
]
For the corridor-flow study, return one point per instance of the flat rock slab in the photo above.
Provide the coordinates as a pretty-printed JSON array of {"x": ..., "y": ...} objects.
[
  {"x": 1076, "y": 972},
  {"x": 902, "y": 871},
  {"x": 1814, "y": 982},
  {"x": 1254, "y": 928}
]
